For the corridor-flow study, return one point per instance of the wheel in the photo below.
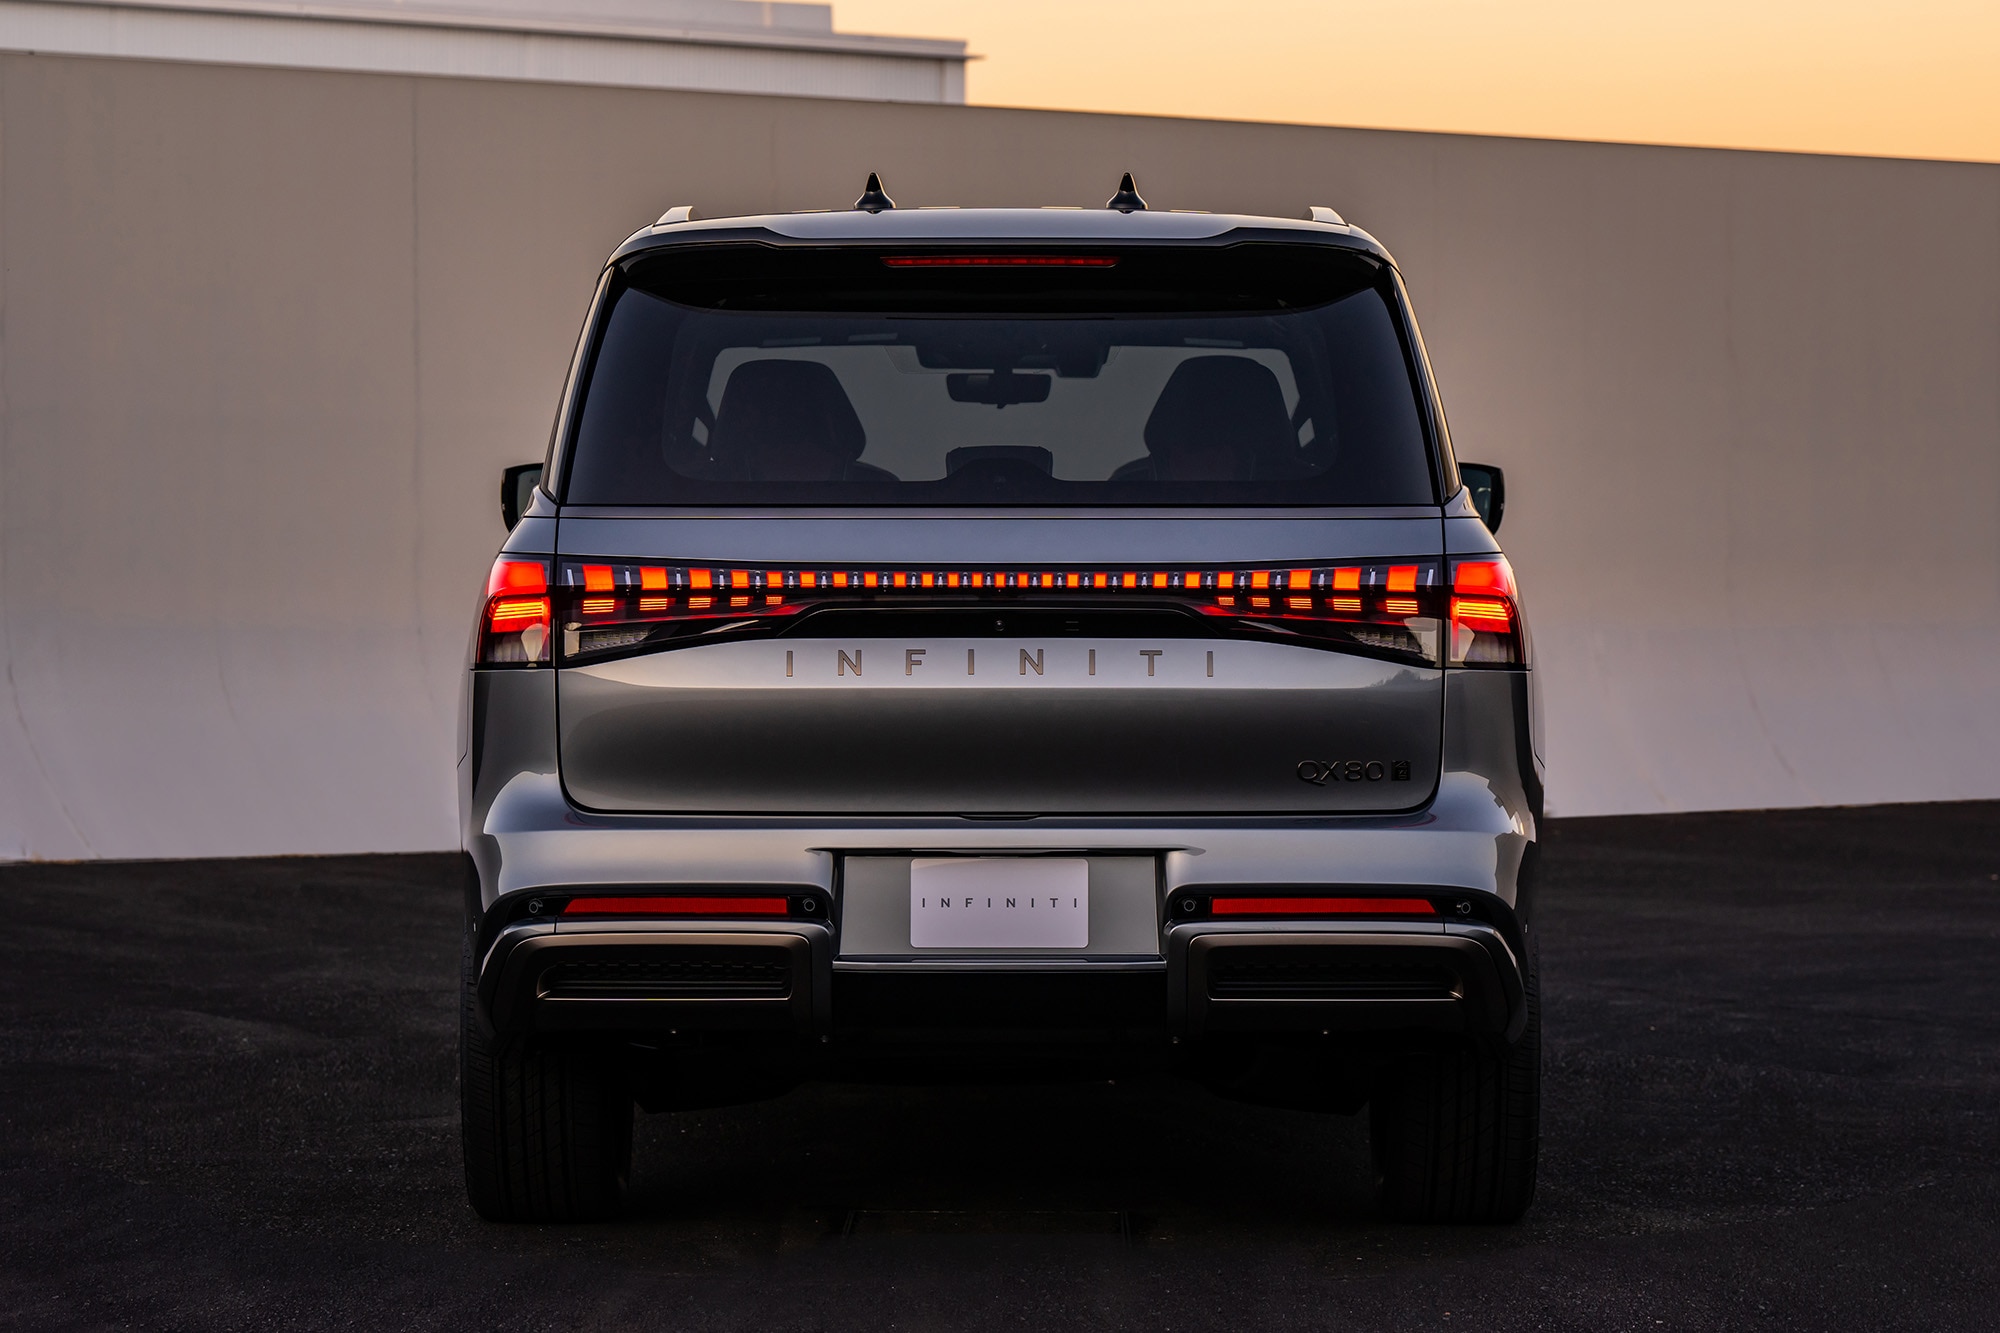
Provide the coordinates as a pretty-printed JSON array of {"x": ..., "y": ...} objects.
[
  {"x": 1456, "y": 1130},
  {"x": 546, "y": 1128}
]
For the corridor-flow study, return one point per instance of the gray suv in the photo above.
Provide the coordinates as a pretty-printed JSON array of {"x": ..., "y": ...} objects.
[{"x": 965, "y": 639}]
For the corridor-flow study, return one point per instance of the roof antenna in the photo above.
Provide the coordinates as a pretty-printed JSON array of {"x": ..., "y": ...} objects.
[
  {"x": 872, "y": 199},
  {"x": 1127, "y": 199}
]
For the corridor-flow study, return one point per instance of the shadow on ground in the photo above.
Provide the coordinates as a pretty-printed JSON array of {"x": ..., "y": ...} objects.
[{"x": 227, "y": 1101}]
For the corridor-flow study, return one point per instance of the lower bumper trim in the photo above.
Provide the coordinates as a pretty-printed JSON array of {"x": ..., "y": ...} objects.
[
  {"x": 630, "y": 976},
  {"x": 1288, "y": 977}
]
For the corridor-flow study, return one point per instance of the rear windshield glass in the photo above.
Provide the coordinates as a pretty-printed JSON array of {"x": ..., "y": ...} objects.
[{"x": 1253, "y": 375}]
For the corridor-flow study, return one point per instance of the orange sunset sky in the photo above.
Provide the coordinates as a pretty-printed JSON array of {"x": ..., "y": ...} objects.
[{"x": 1919, "y": 78}]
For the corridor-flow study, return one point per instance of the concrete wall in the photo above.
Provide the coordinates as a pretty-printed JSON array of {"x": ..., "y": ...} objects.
[
  {"x": 692, "y": 45},
  {"x": 266, "y": 339}
]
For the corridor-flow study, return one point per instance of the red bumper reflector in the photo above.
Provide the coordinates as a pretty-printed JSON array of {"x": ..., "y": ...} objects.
[
  {"x": 1321, "y": 907},
  {"x": 676, "y": 906}
]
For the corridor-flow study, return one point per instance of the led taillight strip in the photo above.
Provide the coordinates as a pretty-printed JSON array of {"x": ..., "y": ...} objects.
[
  {"x": 1302, "y": 907},
  {"x": 1482, "y": 608},
  {"x": 676, "y": 905},
  {"x": 1482, "y": 613},
  {"x": 715, "y": 580}
]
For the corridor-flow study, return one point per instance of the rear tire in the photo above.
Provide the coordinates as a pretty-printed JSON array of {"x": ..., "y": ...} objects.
[
  {"x": 1456, "y": 1130},
  {"x": 546, "y": 1127}
]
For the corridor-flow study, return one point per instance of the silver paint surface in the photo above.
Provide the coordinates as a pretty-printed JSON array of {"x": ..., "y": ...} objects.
[
  {"x": 524, "y": 831},
  {"x": 995, "y": 726}
]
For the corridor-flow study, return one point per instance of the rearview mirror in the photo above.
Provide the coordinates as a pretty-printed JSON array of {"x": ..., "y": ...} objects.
[
  {"x": 1000, "y": 388},
  {"x": 517, "y": 486},
  {"x": 1488, "y": 485}
]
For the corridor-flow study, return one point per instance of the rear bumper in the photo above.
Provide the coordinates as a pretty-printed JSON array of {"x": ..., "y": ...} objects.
[
  {"x": 1217, "y": 981},
  {"x": 1475, "y": 841}
]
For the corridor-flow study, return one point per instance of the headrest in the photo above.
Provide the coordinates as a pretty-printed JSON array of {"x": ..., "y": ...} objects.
[
  {"x": 1219, "y": 418},
  {"x": 783, "y": 420}
]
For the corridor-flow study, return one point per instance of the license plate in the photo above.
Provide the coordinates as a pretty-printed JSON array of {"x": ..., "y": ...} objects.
[{"x": 999, "y": 902}]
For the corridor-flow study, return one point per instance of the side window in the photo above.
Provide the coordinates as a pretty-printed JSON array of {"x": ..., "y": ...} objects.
[{"x": 623, "y": 425}]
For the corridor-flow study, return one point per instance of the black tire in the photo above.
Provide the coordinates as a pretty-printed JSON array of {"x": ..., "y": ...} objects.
[
  {"x": 1456, "y": 1130},
  {"x": 546, "y": 1128}
]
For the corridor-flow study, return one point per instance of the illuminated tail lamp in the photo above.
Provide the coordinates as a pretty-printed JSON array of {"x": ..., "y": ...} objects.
[
  {"x": 677, "y": 905},
  {"x": 1486, "y": 628},
  {"x": 1000, "y": 261},
  {"x": 598, "y": 607},
  {"x": 515, "y": 628},
  {"x": 1319, "y": 907}
]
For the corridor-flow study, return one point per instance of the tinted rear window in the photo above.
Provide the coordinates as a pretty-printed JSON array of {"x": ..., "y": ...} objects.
[{"x": 1252, "y": 375}]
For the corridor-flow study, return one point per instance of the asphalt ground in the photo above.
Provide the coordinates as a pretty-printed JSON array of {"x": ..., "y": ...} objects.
[{"x": 1773, "y": 1101}]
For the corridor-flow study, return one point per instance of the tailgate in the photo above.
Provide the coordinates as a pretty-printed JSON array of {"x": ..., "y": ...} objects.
[{"x": 910, "y": 667}]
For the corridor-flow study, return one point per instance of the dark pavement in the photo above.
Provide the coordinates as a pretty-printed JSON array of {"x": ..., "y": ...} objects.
[{"x": 1773, "y": 1101}]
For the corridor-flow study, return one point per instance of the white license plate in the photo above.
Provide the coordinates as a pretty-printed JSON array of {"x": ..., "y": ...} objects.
[{"x": 999, "y": 902}]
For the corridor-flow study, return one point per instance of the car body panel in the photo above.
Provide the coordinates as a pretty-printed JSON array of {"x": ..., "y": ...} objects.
[{"x": 929, "y": 725}]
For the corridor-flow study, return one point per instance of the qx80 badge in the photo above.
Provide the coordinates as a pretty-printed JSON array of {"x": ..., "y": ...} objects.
[{"x": 1319, "y": 772}]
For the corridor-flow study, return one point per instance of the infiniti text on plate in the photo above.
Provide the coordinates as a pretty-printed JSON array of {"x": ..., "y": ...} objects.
[{"x": 999, "y": 902}]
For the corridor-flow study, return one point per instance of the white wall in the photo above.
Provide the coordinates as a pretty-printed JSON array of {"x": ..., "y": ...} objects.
[
  {"x": 266, "y": 338},
  {"x": 683, "y": 46}
]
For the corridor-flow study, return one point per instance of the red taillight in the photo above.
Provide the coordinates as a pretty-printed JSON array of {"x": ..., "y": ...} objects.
[
  {"x": 1486, "y": 614},
  {"x": 517, "y": 576},
  {"x": 514, "y": 628},
  {"x": 603, "y": 607},
  {"x": 676, "y": 905},
  {"x": 1000, "y": 261},
  {"x": 1301, "y": 907}
]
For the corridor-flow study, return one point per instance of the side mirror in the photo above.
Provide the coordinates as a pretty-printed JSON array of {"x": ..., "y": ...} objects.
[
  {"x": 1488, "y": 485},
  {"x": 516, "y": 485}
]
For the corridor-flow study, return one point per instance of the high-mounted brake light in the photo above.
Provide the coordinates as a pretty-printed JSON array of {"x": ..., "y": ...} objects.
[
  {"x": 1486, "y": 627},
  {"x": 1222, "y": 905},
  {"x": 1389, "y": 608},
  {"x": 677, "y": 905},
  {"x": 1000, "y": 261},
  {"x": 514, "y": 628}
]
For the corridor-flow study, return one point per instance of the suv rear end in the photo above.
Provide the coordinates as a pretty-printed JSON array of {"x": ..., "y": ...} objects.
[{"x": 955, "y": 636}]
